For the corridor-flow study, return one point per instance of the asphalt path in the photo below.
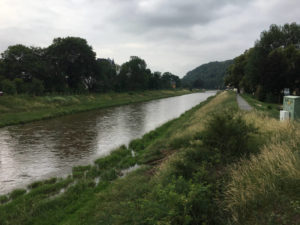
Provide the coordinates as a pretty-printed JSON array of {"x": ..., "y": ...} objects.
[{"x": 243, "y": 104}]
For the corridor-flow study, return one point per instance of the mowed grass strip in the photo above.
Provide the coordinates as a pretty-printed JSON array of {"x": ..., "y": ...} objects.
[{"x": 23, "y": 108}]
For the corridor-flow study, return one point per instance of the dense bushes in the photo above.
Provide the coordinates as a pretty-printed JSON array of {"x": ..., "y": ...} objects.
[
  {"x": 229, "y": 133},
  {"x": 191, "y": 186},
  {"x": 8, "y": 87}
]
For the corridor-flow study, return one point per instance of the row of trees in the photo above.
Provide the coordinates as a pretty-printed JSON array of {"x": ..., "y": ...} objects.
[
  {"x": 271, "y": 65},
  {"x": 69, "y": 65}
]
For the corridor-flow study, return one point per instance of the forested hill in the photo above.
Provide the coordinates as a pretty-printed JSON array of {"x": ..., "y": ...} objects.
[{"x": 209, "y": 76}]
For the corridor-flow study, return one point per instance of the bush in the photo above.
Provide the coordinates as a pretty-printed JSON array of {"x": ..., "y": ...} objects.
[
  {"x": 228, "y": 133},
  {"x": 260, "y": 93},
  {"x": 8, "y": 87},
  {"x": 3, "y": 199},
  {"x": 36, "y": 87},
  {"x": 19, "y": 83}
]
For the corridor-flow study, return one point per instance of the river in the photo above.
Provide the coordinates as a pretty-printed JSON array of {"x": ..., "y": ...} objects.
[{"x": 48, "y": 148}]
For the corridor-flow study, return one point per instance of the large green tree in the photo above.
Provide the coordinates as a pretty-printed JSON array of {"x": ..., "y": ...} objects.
[
  {"x": 271, "y": 65},
  {"x": 134, "y": 74},
  {"x": 19, "y": 61},
  {"x": 72, "y": 61}
]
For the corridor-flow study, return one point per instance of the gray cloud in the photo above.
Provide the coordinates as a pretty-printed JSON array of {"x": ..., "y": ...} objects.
[
  {"x": 137, "y": 16},
  {"x": 171, "y": 35}
]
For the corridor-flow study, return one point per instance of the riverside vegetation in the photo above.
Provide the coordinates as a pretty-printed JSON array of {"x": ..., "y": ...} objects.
[
  {"x": 16, "y": 109},
  {"x": 212, "y": 165}
]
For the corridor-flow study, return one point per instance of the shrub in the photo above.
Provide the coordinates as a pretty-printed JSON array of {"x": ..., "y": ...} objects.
[
  {"x": 19, "y": 83},
  {"x": 260, "y": 93},
  {"x": 228, "y": 133},
  {"x": 36, "y": 87},
  {"x": 3, "y": 199},
  {"x": 8, "y": 87}
]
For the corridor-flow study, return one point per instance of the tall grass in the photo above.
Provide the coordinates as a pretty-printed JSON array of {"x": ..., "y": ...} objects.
[{"x": 262, "y": 189}]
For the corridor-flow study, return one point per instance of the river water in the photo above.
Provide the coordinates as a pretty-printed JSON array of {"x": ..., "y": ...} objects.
[{"x": 44, "y": 149}]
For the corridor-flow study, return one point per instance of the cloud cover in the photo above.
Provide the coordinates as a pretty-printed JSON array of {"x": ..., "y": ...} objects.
[{"x": 171, "y": 35}]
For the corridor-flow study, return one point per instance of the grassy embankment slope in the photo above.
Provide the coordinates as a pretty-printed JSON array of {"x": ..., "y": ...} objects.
[
  {"x": 23, "y": 108},
  {"x": 229, "y": 167},
  {"x": 270, "y": 109}
]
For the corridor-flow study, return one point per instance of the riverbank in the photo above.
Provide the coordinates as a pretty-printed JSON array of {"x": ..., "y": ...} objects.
[
  {"x": 214, "y": 165},
  {"x": 23, "y": 108},
  {"x": 270, "y": 109}
]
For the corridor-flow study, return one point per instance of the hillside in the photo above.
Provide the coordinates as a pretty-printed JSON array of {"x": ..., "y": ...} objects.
[{"x": 209, "y": 76}]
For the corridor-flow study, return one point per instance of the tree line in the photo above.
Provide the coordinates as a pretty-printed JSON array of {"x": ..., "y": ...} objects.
[
  {"x": 270, "y": 66},
  {"x": 69, "y": 65}
]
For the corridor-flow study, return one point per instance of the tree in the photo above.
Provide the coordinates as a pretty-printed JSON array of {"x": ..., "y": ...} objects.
[
  {"x": 20, "y": 87},
  {"x": 72, "y": 61},
  {"x": 19, "y": 61},
  {"x": 155, "y": 80},
  {"x": 35, "y": 87},
  {"x": 105, "y": 75},
  {"x": 236, "y": 71},
  {"x": 198, "y": 83},
  {"x": 134, "y": 74},
  {"x": 8, "y": 87},
  {"x": 271, "y": 65}
]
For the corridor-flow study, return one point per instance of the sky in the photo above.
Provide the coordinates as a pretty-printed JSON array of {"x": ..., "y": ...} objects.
[{"x": 170, "y": 35}]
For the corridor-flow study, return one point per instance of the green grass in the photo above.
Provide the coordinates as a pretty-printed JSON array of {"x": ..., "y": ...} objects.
[
  {"x": 182, "y": 179},
  {"x": 56, "y": 201},
  {"x": 270, "y": 109},
  {"x": 24, "y": 108}
]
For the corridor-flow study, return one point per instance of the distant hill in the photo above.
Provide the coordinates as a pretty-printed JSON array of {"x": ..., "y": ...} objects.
[{"x": 209, "y": 76}]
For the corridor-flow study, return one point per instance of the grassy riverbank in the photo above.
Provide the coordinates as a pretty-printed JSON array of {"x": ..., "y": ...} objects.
[
  {"x": 269, "y": 109},
  {"x": 212, "y": 165},
  {"x": 23, "y": 108}
]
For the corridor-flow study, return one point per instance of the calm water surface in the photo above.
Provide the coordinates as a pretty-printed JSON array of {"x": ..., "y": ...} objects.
[{"x": 49, "y": 148}]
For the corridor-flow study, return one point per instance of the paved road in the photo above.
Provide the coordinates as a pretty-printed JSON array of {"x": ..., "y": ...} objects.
[{"x": 243, "y": 104}]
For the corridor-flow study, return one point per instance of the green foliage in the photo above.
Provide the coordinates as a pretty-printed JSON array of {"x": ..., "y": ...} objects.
[
  {"x": 3, "y": 199},
  {"x": 8, "y": 87},
  {"x": 35, "y": 87},
  {"x": 40, "y": 183},
  {"x": 23, "y": 108},
  {"x": 19, "y": 83},
  {"x": 17, "y": 193},
  {"x": 69, "y": 65},
  {"x": 188, "y": 183},
  {"x": 236, "y": 71},
  {"x": 228, "y": 133},
  {"x": 209, "y": 76},
  {"x": 270, "y": 66},
  {"x": 270, "y": 109}
]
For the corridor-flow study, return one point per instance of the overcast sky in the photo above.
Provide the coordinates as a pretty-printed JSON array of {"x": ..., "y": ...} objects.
[{"x": 171, "y": 35}]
